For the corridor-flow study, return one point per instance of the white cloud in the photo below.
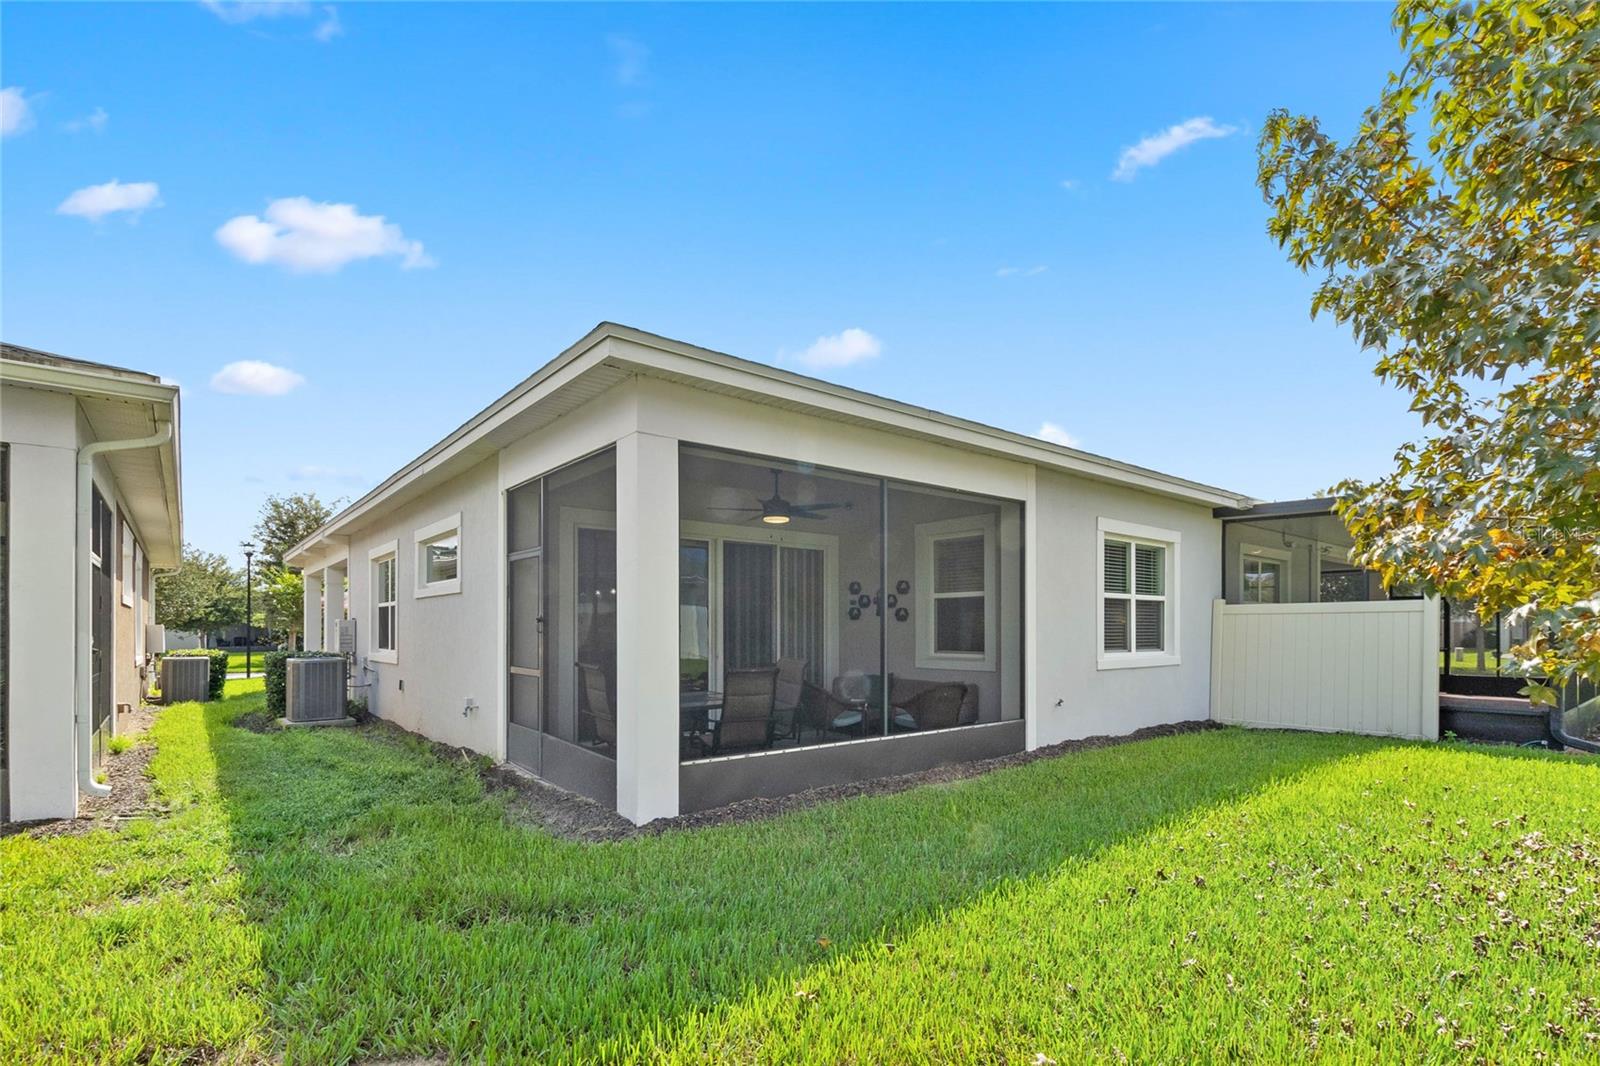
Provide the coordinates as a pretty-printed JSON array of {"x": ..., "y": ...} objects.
[
  {"x": 95, "y": 202},
  {"x": 95, "y": 120},
  {"x": 15, "y": 114},
  {"x": 629, "y": 60},
  {"x": 251, "y": 377},
  {"x": 842, "y": 349},
  {"x": 330, "y": 26},
  {"x": 1020, "y": 272},
  {"x": 1056, "y": 435},
  {"x": 312, "y": 472},
  {"x": 1155, "y": 148},
  {"x": 308, "y": 237},
  {"x": 1069, "y": 184},
  {"x": 238, "y": 11}
]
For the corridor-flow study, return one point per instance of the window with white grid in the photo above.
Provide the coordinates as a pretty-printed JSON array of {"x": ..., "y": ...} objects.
[
  {"x": 384, "y": 561},
  {"x": 1138, "y": 595}
]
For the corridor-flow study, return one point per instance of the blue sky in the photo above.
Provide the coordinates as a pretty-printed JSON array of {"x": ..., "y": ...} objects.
[{"x": 943, "y": 195}]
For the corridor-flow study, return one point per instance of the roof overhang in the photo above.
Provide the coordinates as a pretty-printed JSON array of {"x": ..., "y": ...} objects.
[
  {"x": 612, "y": 353},
  {"x": 1316, "y": 505},
  {"x": 120, "y": 405}
]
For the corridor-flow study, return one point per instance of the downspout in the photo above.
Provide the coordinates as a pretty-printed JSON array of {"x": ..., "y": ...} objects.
[{"x": 82, "y": 713}]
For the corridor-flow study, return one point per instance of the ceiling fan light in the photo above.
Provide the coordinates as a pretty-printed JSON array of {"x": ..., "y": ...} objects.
[{"x": 775, "y": 519}]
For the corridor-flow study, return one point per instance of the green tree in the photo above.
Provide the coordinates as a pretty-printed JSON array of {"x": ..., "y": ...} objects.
[
  {"x": 282, "y": 598},
  {"x": 203, "y": 594},
  {"x": 1457, "y": 233},
  {"x": 285, "y": 521}
]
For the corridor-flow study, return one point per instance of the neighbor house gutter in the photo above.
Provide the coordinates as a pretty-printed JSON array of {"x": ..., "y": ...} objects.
[{"x": 83, "y": 713}]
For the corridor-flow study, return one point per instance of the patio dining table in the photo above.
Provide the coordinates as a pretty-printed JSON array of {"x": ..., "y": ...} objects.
[{"x": 698, "y": 714}]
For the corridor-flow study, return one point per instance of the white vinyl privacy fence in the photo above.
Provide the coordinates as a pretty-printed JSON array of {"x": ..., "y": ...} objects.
[{"x": 1339, "y": 667}]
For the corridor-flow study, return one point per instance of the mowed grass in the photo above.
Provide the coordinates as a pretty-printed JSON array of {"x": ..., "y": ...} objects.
[
  {"x": 236, "y": 662},
  {"x": 329, "y": 896}
]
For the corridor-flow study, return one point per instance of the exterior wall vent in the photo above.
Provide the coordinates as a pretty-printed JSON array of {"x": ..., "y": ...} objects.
[
  {"x": 314, "y": 690},
  {"x": 184, "y": 678}
]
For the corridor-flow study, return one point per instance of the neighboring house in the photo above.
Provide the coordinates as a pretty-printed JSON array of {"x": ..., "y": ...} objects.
[
  {"x": 90, "y": 506},
  {"x": 668, "y": 578}
]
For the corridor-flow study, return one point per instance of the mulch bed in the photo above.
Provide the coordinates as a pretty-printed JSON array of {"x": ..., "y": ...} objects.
[
  {"x": 566, "y": 814},
  {"x": 129, "y": 778}
]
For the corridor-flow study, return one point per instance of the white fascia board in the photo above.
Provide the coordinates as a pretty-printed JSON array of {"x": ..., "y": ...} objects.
[{"x": 82, "y": 381}]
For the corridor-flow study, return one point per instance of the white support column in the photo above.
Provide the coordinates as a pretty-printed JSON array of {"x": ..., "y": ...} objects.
[
  {"x": 647, "y": 627},
  {"x": 1032, "y": 593},
  {"x": 311, "y": 623},
  {"x": 332, "y": 604}
]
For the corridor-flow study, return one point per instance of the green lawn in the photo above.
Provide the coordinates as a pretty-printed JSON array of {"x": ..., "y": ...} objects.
[
  {"x": 236, "y": 662},
  {"x": 337, "y": 895},
  {"x": 1465, "y": 661}
]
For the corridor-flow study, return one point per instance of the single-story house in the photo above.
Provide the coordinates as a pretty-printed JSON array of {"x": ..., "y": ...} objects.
[
  {"x": 669, "y": 578},
  {"x": 90, "y": 506}
]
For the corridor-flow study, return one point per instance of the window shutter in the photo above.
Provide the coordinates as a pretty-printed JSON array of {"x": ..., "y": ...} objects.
[
  {"x": 1117, "y": 566},
  {"x": 958, "y": 564},
  {"x": 1149, "y": 570},
  {"x": 1150, "y": 625}
]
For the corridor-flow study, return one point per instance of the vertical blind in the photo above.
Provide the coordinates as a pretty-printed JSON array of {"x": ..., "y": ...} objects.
[
  {"x": 748, "y": 591},
  {"x": 800, "y": 609}
]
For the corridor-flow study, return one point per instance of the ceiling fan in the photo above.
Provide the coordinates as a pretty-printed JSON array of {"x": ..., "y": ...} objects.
[{"x": 777, "y": 511}]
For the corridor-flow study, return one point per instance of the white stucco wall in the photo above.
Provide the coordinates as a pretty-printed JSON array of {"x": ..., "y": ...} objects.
[
  {"x": 1074, "y": 697},
  {"x": 42, "y": 430},
  {"x": 447, "y": 647}
]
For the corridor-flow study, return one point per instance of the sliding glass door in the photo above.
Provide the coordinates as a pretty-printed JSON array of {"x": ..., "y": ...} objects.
[{"x": 772, "y": 604}]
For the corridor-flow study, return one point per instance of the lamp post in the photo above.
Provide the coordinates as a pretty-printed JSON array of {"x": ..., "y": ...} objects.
[{"x": 249, "y": 607}]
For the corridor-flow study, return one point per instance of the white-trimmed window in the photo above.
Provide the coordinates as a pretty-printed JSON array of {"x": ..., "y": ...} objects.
[
  {"x": 956, "y": 594},
  {"x": 1263, "y": 575},
  {"x": 438, "y": 557},
  {"x": 125, "y": 570},
  {"x": 1138, "y": 601},
  {"x": 385, "y": 563},
  {"x": 138, "y": 604}
]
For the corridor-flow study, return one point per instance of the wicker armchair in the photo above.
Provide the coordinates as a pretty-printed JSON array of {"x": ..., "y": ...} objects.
[{"x": 936, "y": 707}]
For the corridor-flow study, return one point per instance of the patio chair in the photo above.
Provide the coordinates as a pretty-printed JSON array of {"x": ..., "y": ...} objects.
[
  {"x": 601, "y": 718},
  {"x": 786, "y": 699},
  {"x": 904, "y": 691},
  {"x": 821, "y": 711},
  {"x": 936, "y": 707},
  {"x": 747, "y": 701},
  {"x": 854, "y": 704}
]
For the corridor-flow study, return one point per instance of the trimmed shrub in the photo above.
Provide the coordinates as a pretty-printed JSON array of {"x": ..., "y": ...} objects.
[
  {"x": 219, "y": 667},
  {"x": 276, "y": 667}
]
